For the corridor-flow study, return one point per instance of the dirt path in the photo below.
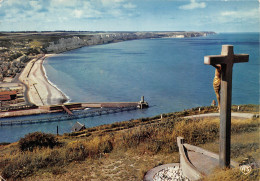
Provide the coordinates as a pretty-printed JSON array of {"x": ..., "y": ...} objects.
[{"x": 235, "y": 114}]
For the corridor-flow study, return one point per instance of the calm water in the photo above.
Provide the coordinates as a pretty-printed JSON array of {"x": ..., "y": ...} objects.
[{"x": 170, "y": 73}]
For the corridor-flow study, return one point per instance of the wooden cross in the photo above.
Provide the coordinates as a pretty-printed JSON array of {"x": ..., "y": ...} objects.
[{"x": 226, "y": 60}]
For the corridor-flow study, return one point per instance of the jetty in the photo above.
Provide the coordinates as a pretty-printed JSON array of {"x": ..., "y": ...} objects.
[
  {"x": 67, "y": 107},
  {"x": 76, "y": 115},
  {"x": 91, "y": 110},
  {"x": 67, "y": 110}
]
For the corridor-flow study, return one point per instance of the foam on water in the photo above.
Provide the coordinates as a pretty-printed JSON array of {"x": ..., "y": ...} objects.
[{"x": 54, "y": 85}]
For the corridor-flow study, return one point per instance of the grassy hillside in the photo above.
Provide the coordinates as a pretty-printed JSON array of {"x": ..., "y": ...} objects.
[{"x": 125, "y": 150}]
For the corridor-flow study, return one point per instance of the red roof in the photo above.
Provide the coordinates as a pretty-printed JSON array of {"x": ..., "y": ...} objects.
[
  {"x": 8, "y": 93},
  {"x": 5, "y": 97}
]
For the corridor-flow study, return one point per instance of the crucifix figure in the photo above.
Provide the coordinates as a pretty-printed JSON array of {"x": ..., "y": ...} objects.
[
  {"x": 225, "y": 62},
  {"x": 216, "y": 83}
]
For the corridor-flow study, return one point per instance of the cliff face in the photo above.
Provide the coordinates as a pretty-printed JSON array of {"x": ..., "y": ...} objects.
[
  {"x": 75, "y": 42},
  {"x": 65, "y": 44}
]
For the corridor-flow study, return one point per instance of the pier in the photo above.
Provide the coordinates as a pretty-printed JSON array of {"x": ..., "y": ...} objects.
[
  {"x": 67, "y": 107},
  {"x": 67, "y": 110},
  {"x": 96, "y": 109},
  {"x": 79, "y": 115}
]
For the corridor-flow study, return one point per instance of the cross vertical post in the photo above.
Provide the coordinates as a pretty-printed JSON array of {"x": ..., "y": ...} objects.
[{"x": 226, "y": 61}]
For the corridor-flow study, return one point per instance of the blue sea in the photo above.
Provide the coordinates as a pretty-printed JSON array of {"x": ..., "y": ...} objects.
[{"x": 169, "y": 73}]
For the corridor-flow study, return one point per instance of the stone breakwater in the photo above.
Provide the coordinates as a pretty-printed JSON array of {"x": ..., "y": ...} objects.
[{"x": 170, "y": 174}]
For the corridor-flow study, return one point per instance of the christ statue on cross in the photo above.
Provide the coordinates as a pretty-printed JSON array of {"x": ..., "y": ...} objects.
[
  {"x": 223, "y": 79},
  {"x": 216, "y": 83}
]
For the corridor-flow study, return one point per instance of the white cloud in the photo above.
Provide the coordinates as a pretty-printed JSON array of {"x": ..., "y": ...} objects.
[
  {"x": 129, "y": 6},
  {"x": 253, "y": 13},
  {"x": 12, "y": 2},
  {"x": 85, "y": 10},
  {"x": 64, "y": 3},
  {"x": 71, "y": 9},
  {"x": 113, "y": 8},
  {"x": 56, "y": 13},
  {"x": 116, "y": 13},
  {"x": 193, "y": 5},
  {"x": 234, "y": 19},
  {"x": 35, "y": 4},
  {"x": 78, "y": 13},
  {"x": 228, "y": 13},
  {"x": 111, "y": 3}
]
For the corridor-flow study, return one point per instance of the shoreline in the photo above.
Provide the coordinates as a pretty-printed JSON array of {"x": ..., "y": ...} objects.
[
  {"x": 40, "y": 90},
  {"x": 50, "y": 82}
]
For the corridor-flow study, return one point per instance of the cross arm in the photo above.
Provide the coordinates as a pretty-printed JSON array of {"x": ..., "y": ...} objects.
[
  {"x": 215, "y": 59},
  {"x": 241, "y": 58},
  {"x": 222, "y": 59}
]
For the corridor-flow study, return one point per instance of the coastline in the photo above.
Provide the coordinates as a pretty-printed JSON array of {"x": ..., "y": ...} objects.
[
  {"x": 40, "y": 90},
  {"x": 51, "y": 83}
]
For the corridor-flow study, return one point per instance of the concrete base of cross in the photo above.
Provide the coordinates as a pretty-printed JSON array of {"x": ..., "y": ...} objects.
[{"x": 196, "y": 162}]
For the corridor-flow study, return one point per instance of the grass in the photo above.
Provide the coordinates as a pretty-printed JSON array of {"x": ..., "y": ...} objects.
[
  {"x": 244, "y": 146},
  {"x": 232, "y": 175},
  {"x": 125, "y": 150}
]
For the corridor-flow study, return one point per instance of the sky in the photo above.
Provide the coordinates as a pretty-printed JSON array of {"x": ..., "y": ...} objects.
[{"x": 130, "y": 15}]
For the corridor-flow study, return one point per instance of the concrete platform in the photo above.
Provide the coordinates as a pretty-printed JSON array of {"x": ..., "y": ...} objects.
[
  {"x": 233, "y": 114},
  {"x": 205, "y": 164},
  {"x": 197, "y": 162}
]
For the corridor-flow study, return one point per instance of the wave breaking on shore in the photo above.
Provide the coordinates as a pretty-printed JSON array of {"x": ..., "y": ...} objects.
[{"x": 68, "y": 99}]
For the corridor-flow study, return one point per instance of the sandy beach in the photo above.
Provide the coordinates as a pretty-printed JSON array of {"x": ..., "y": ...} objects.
[{"x": 39, "y": 90}]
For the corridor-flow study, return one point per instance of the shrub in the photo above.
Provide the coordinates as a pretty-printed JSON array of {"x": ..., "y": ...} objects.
[
  {"x": 53, "y": 158},
  {"x": 37, "y": 139},
  {"x": 57, "y": 170},
  {"x": 4, "y": 143},
  {"x": 197, "y": 131},
  {"x": 20, "y": 168},
  {"x": 80, "y": 150},
  {"x": 105, "y": 146},
  {"x": 134, "y": 137},
  {"x": 232, "y": 174},
  {"x": 76, "y": 152},
  {"x": 27, "y": 163},
  {"x": 239, "y": 149}
]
